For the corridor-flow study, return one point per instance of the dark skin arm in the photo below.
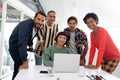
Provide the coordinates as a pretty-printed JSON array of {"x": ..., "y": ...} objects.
[
  {"x": 82, "y": 58},
  {"x": 42, "y": 46},
  {"x": 91, "y": 66}
]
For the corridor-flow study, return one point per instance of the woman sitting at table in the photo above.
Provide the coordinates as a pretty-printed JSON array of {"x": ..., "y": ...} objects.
[{"x": 61, "y": 39}]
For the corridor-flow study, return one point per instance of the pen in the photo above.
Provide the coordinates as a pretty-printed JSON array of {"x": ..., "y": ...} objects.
[
  {"x": 89, "y": 77},
  {"x": 93, "y": 77},
  {"x": 102, "y": 77}
]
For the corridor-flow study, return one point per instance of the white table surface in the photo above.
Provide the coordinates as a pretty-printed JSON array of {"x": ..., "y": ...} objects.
[{"x": 33, "y": 74}]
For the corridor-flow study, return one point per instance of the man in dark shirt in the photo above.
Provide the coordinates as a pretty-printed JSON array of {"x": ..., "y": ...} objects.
[{"x": 22, "y": 37}]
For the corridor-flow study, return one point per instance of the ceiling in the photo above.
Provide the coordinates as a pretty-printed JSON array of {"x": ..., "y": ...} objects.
[{"x": 106, "y": 10}]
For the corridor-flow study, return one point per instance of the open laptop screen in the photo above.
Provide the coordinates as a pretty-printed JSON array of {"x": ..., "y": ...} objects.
[{"x": 66, "y": 62}]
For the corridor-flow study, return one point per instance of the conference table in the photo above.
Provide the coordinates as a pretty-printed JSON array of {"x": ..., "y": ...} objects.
[{"x": 33, "y": 73}]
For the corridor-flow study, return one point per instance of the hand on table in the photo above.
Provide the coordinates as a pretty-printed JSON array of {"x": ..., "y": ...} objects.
[
  {"x": 91, "y": 66},
  {"x": 82, "y": 61},
  {"x": 24, "y": 65}
]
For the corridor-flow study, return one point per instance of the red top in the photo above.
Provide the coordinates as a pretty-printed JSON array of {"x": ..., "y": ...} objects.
[{"x": 104, "y": 44}]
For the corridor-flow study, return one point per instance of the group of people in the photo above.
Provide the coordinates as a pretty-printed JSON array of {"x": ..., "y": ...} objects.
[{"x": 71, "y": 40}]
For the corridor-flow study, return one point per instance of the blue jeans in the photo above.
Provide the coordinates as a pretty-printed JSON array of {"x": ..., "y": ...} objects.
[{"x": 38, "y": 60}]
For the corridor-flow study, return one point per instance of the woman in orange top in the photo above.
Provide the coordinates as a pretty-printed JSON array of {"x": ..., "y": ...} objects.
[{"x": 108, "y": 54}]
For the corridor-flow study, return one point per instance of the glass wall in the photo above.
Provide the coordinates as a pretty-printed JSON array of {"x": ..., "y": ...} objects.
[
  {"x": 12, "y": 19},
  {"x": 0, "y": 37},
  {"x": 13, "y": 14},
  {"x": 0, "y": 13},
  {"x": 26, "y": 17}
]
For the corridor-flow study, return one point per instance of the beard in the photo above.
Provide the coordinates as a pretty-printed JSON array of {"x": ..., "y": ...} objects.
[{"x": 38, "y": 26}]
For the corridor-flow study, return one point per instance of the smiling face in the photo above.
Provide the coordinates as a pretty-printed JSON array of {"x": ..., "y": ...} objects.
[
  {"x": 91, "y": 20},
  {"x": 72, "y": 25},
  {"x": 61, "y": 40},
  {"x": 51, "y": 17},
  {"x": 91, "y": 23},
  {"x": 38, "y": 20}
]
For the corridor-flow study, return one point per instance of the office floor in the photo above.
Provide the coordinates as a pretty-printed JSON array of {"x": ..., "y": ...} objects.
[
  {"x": 117, "y": 71},
  {"x": 9, "y": 77}
]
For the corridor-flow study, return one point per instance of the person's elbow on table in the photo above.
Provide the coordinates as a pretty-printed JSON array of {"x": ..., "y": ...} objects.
[{"x": 91, "y": 66}]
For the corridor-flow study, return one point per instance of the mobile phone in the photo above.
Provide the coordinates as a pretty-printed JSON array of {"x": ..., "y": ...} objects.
[{"x": 45, "y": 72}]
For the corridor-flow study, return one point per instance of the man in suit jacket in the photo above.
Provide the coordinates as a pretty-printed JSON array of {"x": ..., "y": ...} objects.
[{"x": 22, "y": 37}]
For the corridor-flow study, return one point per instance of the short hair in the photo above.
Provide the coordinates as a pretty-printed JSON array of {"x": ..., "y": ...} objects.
[
  {"x": 51, "y": 11},
  {"x": 62, "y": 33},
  {"x": 90, "y": 15},
  {"x": 40, "y": 12},
  {"x": 72, "y": 18}
]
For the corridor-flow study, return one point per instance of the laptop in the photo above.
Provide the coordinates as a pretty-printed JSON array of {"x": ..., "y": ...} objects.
[{"x": 66, "y": 63}]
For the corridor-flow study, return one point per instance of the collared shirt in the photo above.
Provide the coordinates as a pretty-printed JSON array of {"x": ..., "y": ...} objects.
[
  {"x": 80, "y": 39},
  {"x": 47, "y": 35},
  {"x": 34, "y": 32}
]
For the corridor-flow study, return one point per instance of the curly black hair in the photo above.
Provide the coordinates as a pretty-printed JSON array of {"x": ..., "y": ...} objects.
[
  {"x": 90, "y": 15},
  {"x": 72, "y": 18}
]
